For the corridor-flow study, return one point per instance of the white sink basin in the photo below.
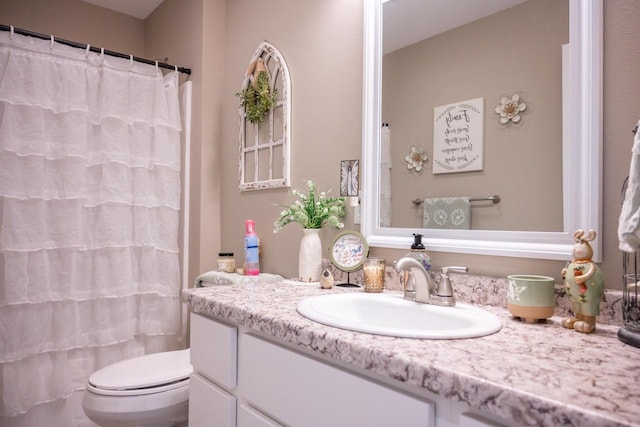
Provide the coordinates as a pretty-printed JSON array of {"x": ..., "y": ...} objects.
[{"x": 392, "y": 315}]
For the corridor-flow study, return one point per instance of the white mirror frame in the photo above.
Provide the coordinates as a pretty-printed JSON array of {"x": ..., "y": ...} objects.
[{"x": 582, "y": 153}]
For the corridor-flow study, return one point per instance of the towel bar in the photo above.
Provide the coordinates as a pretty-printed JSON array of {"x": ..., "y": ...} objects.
[{"x": 495, "y": 199}]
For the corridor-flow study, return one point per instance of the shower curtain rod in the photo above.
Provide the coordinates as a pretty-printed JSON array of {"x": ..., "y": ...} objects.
[{"x": 94, "y": 49}]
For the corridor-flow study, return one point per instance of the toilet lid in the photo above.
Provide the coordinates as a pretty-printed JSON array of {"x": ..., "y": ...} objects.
[{"x": 151, "y": 370}]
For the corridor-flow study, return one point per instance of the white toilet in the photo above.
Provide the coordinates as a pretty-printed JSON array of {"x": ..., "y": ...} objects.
[{"x": 150, "y": 390}]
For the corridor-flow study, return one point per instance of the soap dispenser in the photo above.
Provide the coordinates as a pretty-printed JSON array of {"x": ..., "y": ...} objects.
[{"x": 418, "y": 252}]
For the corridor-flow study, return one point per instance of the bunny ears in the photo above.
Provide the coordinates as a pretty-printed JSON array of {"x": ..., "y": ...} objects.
[{"x": 580, "y": 237}]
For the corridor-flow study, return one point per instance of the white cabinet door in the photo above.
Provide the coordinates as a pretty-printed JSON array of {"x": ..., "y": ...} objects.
[
  {"x": 214, "y": 350},
  {"x": 210, "y": 406},
  {"x": 302, "y": 391},
  {"x": 249, "y": 417}
]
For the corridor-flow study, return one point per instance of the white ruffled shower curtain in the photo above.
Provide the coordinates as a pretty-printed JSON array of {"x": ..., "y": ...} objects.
[{"x": 89, "y": 216}]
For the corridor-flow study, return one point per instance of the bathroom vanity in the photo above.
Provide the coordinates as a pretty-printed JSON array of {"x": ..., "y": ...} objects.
[
  {"x": 257, "y": 362},
  {"x": 251, "y": 381}
]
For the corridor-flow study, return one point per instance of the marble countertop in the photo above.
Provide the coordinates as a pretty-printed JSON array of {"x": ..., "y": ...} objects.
[{"x": 534, "y": 374}]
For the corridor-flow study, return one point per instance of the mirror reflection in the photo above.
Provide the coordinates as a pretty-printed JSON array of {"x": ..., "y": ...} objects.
[{"x": 473, "y": 108}]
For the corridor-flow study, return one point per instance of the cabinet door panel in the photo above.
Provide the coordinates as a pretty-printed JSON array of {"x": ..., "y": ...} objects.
[
  {"x": 248, "y": 417},
  {"x": 214, "y": 348},
  {"x": 210, "y": 406},
  {"x": 302, "y": 391}
]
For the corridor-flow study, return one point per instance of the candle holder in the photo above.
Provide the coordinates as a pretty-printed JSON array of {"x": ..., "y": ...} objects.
[{"x": 373, "y": 270}]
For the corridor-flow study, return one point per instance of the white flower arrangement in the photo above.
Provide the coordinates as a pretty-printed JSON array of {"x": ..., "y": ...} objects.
[{"x": 312, "y": 210}]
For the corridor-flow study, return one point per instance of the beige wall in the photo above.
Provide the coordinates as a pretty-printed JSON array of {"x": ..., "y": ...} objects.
[
  {"x": 522, "y": 163},
  {"x": 322, "y": 42},
  {"x": 322, "y": 147},
  {"x": 621, "y": 113},
  {"x": 191, "y": 33},
  {"x": 76, "y": 21}
]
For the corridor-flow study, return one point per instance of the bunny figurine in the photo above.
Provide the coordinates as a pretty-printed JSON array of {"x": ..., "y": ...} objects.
[
  {"x": 583, "y": 284},
  {"x": 326, "y": 279}
]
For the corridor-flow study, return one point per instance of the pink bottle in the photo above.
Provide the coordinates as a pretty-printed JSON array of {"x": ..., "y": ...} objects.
[{"x": 251, "y": 254}]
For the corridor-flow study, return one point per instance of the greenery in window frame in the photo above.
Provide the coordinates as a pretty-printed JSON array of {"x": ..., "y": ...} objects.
[{"x": 258, "y": 100}]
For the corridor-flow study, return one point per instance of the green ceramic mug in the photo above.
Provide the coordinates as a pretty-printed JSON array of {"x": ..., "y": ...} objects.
[{"x": 530, "y": 297}]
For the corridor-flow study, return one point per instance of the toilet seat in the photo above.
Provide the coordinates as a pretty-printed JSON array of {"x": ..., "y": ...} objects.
[
  {"x": 138, "y": 391},
  {"x": 152, "y": 373}
]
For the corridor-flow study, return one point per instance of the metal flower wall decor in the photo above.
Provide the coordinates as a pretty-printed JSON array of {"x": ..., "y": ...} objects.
[
  {"x": 416, "y": 158},
  {"x": 510, "y": 109}
]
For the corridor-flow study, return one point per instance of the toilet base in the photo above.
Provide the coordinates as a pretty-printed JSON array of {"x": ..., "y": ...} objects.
[
  {"x": 165, "y": 409},
  {"x": 160, "y": 418}
]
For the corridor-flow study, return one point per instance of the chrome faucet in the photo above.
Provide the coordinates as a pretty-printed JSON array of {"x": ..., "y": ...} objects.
[{"x": 419, "y": 286}]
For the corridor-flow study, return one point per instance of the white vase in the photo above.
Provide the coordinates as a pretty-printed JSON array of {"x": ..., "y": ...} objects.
[{"x": 310, "y": 256}]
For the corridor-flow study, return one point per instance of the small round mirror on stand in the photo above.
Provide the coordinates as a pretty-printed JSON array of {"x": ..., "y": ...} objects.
[{"x": 347, "y": 252}]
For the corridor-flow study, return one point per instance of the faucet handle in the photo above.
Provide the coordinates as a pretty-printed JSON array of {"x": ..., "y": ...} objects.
[
  {"x": 446, "y": 270},
  {"x": 445, "y": 289}
]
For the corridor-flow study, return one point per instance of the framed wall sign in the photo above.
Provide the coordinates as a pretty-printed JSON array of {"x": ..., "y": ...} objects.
[{"x": 458, "y": 137}]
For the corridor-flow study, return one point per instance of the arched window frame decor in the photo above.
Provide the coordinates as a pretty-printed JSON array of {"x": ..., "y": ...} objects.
[{"x": 262, "y": 147}]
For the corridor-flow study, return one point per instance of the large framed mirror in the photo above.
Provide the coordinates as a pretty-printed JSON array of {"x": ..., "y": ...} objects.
[{"x": 572, "y": 170}]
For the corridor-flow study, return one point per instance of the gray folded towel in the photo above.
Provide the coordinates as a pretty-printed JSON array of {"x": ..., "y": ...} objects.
[{"x": 213, "y": 278}]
